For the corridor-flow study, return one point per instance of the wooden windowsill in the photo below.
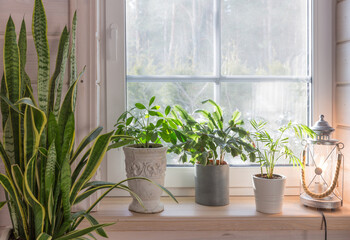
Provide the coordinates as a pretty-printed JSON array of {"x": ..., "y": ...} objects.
[{"x": 239, "y": 215}]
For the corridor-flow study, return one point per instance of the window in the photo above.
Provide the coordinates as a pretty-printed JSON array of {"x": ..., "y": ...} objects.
[
  {"x": 250, "y": 55},
  {"x": 276, "y": 66}
]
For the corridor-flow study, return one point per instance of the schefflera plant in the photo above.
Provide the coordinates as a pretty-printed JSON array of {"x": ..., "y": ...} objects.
[
  {"x": 207, "y": 141},
  {"x": 38, "y": 140}
]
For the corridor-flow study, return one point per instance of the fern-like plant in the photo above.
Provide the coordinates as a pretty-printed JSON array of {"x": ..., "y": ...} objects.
[{"x": 38, "y": 141}]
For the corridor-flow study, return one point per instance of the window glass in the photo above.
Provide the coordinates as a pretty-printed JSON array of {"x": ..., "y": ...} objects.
[{"x": 250, "y": 55}]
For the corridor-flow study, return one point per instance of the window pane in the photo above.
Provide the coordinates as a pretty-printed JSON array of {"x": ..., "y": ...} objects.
[
  {"x": 168, "y": 37},
  {"x": 275, "y": 102},
  {"x": 188, "y": 95},
  {"x": 264, "y": 37}
]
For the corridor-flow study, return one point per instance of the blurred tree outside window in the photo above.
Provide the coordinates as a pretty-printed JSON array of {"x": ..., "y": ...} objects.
[{"x": 250, "y": 55}]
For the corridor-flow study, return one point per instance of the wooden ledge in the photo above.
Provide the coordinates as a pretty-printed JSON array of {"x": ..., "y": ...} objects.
[{"x": 239, "y": 215}]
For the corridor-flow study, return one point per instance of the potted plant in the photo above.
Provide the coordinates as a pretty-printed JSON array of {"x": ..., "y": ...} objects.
[
  {"x": 38, "y": 147},
  {"x": 270, "y": 148},
  {"x": 143, "y": 127},
  {"x": 205, "y": 143}
]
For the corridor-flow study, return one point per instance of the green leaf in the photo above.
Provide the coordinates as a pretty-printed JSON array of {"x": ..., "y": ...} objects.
[
  {"x": 92, "y": 221},
  {"x": 11, "y": 62},
  {"x": 4, "y": 106},
  {"x": 82, "y": 232},
  {"x": 140, "y": 106},
  {"x": 167, "y": 110},
  {"x": 22, "y": 45},
  {"x": 97, "y": 153},
  {"x": 65, "y": 111},
  {"x": 151, "y": 100},
  {"x": 39, "y": 210},
  {"x": 50, "y": 176},
  {"x": 2, "y": 204},
  {"x": 39, "y": 27},
  {"x": 10, "y": 189},
  {"x": 44, "y": 236},
  {"x": 10, "y": 104},
  {"x": 73, "y": 58},
  {"x": 88, "y": 139},
  {"x": 13, "y": 84},
  {"x": 17, "y": 176},
  {"x": 56, "y": 81}
]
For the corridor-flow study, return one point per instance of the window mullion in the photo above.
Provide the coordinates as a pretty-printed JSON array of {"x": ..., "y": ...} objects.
[{"x": 217, "y": 49}]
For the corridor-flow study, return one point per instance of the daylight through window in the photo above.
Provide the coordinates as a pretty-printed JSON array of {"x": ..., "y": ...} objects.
[{"x": 250, "y": 55}]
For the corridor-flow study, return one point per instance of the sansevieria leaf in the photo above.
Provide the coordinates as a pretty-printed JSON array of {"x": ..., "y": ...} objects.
[
  {"x": 50, "y": 178},
  {"x": 39, "y": 210},
  {"x": 97, "y": 153},
  {"x": 22, "y": 45},
  {"x": 13, "y": 83},
  {"x": 39, "y": 28},
  {"x": 78, "y": 233},
  {"x": 44, "y": 236},
  {"x": 17, "y": 204},
  {"x": 56, "y": 81},
  {"x": 72, "y": 57}
]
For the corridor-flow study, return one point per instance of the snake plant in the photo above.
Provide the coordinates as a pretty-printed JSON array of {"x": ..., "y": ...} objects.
[{"x": 38, "y": 149}]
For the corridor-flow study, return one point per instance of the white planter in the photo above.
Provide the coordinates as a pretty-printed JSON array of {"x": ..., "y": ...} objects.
[
  {"x": 149, "y": 163},
  {"x": 269, "y": 193}
]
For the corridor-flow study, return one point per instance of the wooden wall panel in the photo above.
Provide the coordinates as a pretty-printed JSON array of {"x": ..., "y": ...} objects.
[
  {"x": 56, "y": 12},
  {"x": 343, "y": 16},
  {"x": 32, "y": 60},
  {"x": 342, "y": 89},
  {"x": 343, "y": 62},
  {"x": 342, "y": 107}
]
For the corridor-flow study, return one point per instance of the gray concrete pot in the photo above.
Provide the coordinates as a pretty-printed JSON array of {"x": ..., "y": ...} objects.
[
  {"x": 269, "y": 193},
  {"x": 212, "y": 184},
  {"x": 149, "y": 163}
]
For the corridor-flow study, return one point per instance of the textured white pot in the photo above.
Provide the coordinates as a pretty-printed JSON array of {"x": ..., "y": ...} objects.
[
  {"x": 149, "y": 163},
  {"x": 269, "y": 193}
]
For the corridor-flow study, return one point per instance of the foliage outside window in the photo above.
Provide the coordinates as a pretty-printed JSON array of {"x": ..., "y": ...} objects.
[{"x": 253, "y": 56}]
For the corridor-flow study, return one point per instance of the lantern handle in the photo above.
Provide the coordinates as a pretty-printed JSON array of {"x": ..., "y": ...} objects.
[
  {"x": 330, "y": 188},
  {"x": 340, "y": 146}
]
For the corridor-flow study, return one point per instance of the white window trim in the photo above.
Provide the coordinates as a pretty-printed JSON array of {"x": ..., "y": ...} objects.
[{"x": 180, "y": 180}]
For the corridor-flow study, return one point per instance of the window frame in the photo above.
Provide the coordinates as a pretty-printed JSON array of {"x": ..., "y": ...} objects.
[{"x": 180, "y": 179}]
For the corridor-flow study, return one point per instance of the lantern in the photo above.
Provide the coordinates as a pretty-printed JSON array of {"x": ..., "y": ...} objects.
[{"x": 322, "y": 181}]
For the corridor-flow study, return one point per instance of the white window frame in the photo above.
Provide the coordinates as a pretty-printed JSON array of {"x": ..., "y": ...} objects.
[{"x": 180, "y": 180}]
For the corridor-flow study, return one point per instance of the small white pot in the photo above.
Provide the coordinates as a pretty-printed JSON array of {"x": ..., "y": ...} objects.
[
  {"x": 149, "y": 163},
  {"x": 269, "y": 193}
]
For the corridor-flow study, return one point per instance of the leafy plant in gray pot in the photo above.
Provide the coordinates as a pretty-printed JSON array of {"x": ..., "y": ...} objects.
[
  {"x": 143, "y": 127},
  {"x": 205, "y": 143},
  {"x": 270, "y": 148}
]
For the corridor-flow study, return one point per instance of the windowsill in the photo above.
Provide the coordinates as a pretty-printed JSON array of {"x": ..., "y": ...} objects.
[{"x": 239, "y": 215}]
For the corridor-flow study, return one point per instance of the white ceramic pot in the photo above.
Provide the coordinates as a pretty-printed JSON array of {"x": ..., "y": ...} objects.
[
  {"x": 269, "y": 193},
  {"x": 149, "y": 163}
]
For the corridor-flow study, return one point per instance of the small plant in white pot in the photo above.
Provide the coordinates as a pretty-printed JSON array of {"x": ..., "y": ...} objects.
[
  {"x": 143, "y": 127},
  {"x": 270, "y": 148},
  {"x": 205, "y": 143}
]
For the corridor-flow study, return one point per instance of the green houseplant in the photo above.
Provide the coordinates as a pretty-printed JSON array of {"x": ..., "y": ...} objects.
[
  {"x": 143, "y": 126},
  {"x": 38, "y": 141},
  {"x": 270, "y": 148},
  {"x": 205, "y": 143}
]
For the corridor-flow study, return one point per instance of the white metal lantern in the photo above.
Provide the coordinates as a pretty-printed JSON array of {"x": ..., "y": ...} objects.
[{"x": 322, "y": 181}]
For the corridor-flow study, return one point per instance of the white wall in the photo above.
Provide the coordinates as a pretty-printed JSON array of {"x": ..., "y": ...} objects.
[{"x": 342, "y": 84}]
